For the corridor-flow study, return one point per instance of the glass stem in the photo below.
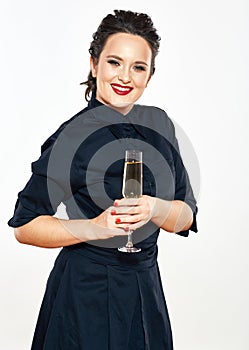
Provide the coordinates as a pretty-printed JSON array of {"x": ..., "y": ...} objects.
[{"x": 129, "y": 243}]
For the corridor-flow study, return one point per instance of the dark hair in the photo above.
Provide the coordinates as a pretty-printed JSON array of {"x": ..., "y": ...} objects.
[{"x": 121, "y": 22}]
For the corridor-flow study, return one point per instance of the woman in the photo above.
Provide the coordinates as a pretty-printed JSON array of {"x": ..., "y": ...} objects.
[{"x": 96, "y": 296}]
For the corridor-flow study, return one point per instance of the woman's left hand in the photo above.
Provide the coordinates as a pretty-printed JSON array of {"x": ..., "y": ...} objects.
[
  {"x": 172, "y": 216},
  {"x": 133, "y": 213}
]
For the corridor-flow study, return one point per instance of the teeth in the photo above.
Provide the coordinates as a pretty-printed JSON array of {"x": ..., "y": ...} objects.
[{"x": 121, "y": 88}]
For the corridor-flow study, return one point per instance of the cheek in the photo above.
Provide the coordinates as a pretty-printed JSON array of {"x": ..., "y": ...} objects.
[
  {"x": 141, "y": 82},
  {"x": 105, "y": 73}
]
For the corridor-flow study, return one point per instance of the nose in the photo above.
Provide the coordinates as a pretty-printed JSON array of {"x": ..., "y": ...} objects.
[{"x": 124, "y": 75}]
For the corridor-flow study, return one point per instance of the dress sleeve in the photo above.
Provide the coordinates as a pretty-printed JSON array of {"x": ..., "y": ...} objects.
[
  {"x": 35, "y": 199},
  {"x": 183, "y": 188}
]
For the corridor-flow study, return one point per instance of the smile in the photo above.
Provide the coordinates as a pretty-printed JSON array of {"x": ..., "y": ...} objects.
[{"x": 121, "y": 90}]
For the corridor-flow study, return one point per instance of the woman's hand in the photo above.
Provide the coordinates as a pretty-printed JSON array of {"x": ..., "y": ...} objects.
[
  {"x": 106, "y": 225},
  {"x": 102, "y": 226},
  {"x": 127, "y": 213},
  {"x": 172, "y": 216},
  {"x": 51, "y": 232},
  {"x": 132, "y": 213}
]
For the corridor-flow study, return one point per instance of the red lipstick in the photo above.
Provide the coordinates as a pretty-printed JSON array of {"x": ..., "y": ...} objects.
[{"x": 121, "y": 90}]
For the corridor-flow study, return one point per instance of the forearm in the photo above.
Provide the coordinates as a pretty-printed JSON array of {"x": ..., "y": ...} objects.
[
  {"x": 172, "y": 216},
  {"x": 48, "y": 232}
]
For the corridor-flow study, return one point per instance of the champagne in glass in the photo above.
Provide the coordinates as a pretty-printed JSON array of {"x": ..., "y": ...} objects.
[{"x": 132, "y": 188}]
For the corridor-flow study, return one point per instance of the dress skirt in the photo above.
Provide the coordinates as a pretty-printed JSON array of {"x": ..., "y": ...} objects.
[{"x": 102, "y": 299}]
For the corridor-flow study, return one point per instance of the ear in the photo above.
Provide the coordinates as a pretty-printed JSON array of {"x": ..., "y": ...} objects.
[{"x": 93, "y": 67}]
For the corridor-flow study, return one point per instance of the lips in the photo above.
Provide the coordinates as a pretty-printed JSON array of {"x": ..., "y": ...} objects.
[{"x": 121, "y": 90}]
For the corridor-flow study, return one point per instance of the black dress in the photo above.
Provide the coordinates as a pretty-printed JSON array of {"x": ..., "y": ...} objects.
[{"x": 98, "y": 298}]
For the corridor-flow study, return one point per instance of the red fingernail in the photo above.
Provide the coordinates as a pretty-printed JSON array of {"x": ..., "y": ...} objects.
[
  {"x": 117, "y": 221},
  {"x": 113, "y": 212},
  {"x": 115, "y": 204},
  {"x": 126, "y": 228}
]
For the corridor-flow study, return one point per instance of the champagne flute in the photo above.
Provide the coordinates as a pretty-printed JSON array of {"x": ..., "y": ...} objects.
[{"x": 132, "y": 188}]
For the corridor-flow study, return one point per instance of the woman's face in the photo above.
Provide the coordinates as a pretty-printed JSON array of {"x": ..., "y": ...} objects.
[{"x": 122, "y": 71}]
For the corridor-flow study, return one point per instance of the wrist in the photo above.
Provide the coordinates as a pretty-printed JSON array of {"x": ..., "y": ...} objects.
[{"x": 160, "y": 211}]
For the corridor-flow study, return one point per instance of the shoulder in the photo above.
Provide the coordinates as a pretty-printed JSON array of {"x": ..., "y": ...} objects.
[
  {"x": 52, "y": 138},
  {"x": 154, "y": 111},
  {"x": 157, "y": 119}
]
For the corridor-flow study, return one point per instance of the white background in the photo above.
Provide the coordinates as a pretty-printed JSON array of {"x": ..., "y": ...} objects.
[{"x": 202, "y": 81}]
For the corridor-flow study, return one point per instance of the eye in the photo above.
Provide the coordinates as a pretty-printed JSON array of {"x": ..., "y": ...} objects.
[
  {"x": 140, "y": 68},
  {"x": 113, "y": 62}
]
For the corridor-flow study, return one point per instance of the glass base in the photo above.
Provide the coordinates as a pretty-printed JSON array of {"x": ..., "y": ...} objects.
[{"x": 129, "y": 250}]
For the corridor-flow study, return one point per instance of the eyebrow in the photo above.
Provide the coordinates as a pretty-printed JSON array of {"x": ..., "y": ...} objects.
[{"x": 120, "y": 59}]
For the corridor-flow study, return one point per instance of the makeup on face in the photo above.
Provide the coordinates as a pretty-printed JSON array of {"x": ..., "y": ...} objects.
[
  {"x": 123, "y": 71},
  {"x": 121, "y": 89}
]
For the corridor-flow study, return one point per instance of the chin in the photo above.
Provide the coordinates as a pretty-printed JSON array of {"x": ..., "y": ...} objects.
[
  {"x": 122, "y": 104},
  {"x": 122, "y": 107}
]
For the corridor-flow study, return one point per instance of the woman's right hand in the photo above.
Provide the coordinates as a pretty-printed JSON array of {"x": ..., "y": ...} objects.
[
  {"x": 51, "y": 232},
  {"x": 106, "y": 226}
]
